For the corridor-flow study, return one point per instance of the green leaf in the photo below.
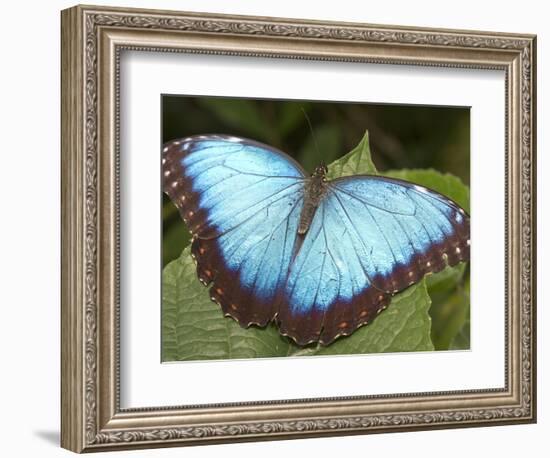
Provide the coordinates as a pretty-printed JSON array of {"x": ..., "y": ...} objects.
[
  {"x": 357, "y": 161},
  {"x": 449, "y": 319},
  {"x": 194, "y": 328},
  {"x": 443, "y": 282},
  {"x": 461, "y": 339}
]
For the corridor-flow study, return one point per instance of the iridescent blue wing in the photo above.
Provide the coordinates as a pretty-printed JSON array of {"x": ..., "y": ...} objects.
[
  {"x": 370, "y": 238},
  {"x": 242, "y": 201}
]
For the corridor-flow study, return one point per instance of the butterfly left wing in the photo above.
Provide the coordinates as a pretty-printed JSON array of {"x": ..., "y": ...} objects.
[
  {"x": 370, "y": 238},
  {"x": 241, "y": 200}
]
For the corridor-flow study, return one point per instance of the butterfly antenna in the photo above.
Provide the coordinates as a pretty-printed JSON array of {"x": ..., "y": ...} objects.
[{"x": 311, "y": 129}]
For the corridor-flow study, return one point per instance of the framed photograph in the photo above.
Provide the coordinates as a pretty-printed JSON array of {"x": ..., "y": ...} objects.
[{"x": 277, "y": 228}]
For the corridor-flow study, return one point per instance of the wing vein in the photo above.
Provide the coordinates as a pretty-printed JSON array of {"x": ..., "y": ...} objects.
[
  {"x": 258, "y": 174},
  {"x": 406, "y": 234},
  {"x": 302, "y": 266},
  {"x": 364, "y": 202},
  {"x": 268, "y": 235},
  {"x": 439, "y": 211},
  {"x": 287, "y": 188},
  {"x": 332, "y": 257},
  {"x": 251, "y": 216},
  {"x": 362, "y": 243},
  {"x": 202, "y": 191},
  {"x": 324, "y": 258}
]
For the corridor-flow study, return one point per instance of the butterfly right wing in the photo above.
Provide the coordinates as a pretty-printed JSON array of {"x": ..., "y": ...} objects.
[
  {"x": 370, "y": 238},
  {"x": 242, "y": 201}
]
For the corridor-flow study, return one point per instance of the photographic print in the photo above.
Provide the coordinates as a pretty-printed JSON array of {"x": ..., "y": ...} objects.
[{"x": 303, "y": 228}]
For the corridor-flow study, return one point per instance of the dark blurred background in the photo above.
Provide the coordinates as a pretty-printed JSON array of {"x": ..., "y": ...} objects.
[{"x": 401, "y": 136}]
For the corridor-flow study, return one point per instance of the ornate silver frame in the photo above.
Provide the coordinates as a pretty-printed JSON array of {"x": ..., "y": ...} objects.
[{"x": 92, "y": 40}]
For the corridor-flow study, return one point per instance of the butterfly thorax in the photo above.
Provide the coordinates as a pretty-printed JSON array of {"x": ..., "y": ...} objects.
[{"x": 315, "y": 190}]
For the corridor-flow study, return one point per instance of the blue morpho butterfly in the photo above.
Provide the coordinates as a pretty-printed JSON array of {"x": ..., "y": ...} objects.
[{"x": 318, "y": 257}]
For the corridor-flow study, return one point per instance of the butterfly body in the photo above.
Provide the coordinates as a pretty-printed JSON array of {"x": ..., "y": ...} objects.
[
  {"x": 320, "y": 258},
  {"x": 315, "y": 189}
]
